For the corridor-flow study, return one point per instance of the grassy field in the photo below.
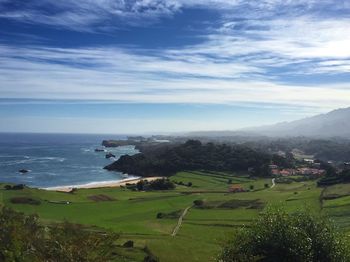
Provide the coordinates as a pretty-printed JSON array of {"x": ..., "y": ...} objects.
[{"x": 134, "y": 214}]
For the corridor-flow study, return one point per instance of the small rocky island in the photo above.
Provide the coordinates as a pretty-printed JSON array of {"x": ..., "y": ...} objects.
[{"x": 109, "y": 155}]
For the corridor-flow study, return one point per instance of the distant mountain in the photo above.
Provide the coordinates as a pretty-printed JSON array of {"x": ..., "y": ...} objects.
[{"x": 333, "y": 124}]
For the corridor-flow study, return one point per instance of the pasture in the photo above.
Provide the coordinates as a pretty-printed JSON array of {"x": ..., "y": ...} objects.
[{"x": 133, "y": 214}]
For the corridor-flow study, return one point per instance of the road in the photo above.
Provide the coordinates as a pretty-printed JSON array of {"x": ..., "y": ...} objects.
[
  {"x": 273, "y": 182},
  {"x": 179, "y": 222}
]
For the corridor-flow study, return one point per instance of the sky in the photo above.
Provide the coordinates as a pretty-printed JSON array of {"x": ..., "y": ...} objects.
[{"x": 153, "y": 66}]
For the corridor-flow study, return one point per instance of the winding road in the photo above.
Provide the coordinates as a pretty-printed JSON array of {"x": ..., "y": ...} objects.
[{"x": 179, "y": 222}]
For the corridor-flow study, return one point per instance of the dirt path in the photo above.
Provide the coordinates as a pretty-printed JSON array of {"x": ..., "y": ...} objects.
[
  {"x": 179, "y": 222},
  {"x": 273, "y": 183}
]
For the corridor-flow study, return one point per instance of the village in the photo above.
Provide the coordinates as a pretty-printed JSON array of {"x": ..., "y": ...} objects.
[{"x": 307, "y": 169}]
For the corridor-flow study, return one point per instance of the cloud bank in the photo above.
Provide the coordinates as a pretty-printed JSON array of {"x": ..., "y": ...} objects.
[{"x": 271, "y": 52}]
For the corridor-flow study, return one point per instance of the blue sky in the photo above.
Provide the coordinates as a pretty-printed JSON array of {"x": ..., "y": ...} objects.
[{"x": 114, "y": 66}]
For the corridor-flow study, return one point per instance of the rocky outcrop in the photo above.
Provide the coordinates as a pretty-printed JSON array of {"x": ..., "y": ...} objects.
[
  {"x": 109, "y": 155},
  {"x": 116, "y": 143}
]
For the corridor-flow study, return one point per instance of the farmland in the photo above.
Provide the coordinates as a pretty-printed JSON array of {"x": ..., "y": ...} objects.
[{"x": 133, "y": 214}]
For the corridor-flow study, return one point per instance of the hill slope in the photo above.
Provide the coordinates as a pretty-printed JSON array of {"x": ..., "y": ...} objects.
[{"x": 333, "y": 124}]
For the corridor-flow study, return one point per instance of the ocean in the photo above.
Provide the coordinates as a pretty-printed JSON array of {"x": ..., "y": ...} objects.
[{"x": 55, "y": 160}]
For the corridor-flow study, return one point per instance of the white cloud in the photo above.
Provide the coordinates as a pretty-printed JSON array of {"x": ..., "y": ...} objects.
[
  {"x": 115, "y": 74},
  {"x": 233, "y": 64}
]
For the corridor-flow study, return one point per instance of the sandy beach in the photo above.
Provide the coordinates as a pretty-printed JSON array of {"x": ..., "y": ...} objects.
[{"x": 116, "y": 183}]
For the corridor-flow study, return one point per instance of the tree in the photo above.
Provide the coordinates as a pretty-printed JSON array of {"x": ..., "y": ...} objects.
[
  {"x": 279, "y": 236},
  {"x": 140, "y": 185}
]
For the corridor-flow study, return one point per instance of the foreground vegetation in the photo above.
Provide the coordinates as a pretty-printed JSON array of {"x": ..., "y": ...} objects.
[
  {"x": 149, "y": 218},
  {"x": 279, "y": 236},
  {"x": 24, "y": 238}
]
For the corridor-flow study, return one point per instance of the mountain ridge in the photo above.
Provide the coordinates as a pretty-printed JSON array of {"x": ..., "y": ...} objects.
[{"x": 335, "y": 123}]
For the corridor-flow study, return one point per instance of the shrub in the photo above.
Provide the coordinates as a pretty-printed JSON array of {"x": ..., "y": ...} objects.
[
  {"x": 161, "y": 184},
  {"x": 73, "y": 190},
  {"x": 266, "y": 185},
  {"x": 251, "y": 187},
  {"x": 23, "y": 238},
  {"x": 171, "y": 215},
  {"x": 8, "y": 187},
  {"x": 140, "y": 185},
  {"x": 150, "y": 256},
  {"x": 25, "y": 200},
  {"x": 129, "y": 244},
  {"x": 279, "y": 236},
  {"x": 198, "y": 202},
  {"x": 189, "y": 184},
  {"x": 15, "y": 187}
]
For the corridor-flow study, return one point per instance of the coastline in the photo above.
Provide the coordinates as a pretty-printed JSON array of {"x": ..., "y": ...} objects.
[{"x": 104, "y": 184}]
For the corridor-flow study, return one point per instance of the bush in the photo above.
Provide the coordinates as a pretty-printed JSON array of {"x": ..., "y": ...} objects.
[
  {"x": 25, "y": 200},
  {"x": 15, "y": 187},
  {"x": 189, "y": 184},
  {"x": 266, "y": 185},
  {"x": 198, "y": 203},
  {"x": 161, "y": 184},
  {"x": 171, "y": 215},
  {"x": 129, "y": 244},
  {"x": 251, "y": 187},
  {"x": 278, "y": 236},
  {"x": 150, "y": 256},
  {"x": 23, "y": 238},
  {"x": 140, "y": 185},
  {"x": 8, "y": 187}
]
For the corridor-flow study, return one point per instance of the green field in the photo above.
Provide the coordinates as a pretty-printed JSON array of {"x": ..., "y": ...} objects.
[{"x": 133, "y": 214}]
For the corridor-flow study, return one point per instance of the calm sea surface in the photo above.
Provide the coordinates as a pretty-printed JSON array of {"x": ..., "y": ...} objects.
[{"x": 57, "y": 159}]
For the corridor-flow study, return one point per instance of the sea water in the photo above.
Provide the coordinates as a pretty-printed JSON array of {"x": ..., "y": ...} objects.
[{"x": 57, "y": 159}]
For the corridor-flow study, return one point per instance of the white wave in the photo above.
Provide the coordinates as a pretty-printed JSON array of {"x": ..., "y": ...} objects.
[{"x": 32, "y": 160}]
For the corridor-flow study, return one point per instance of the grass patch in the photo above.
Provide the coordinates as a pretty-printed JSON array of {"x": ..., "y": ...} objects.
[
  {"x": 25, "y": 200},
  {"x": 101, "y": 197}
]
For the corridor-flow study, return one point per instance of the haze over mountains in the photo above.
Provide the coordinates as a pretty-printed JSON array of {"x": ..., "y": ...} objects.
[{"x": 333, "y": 124}]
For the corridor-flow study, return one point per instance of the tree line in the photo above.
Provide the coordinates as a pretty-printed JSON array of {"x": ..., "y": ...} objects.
[{"x": 166, "y": 160}]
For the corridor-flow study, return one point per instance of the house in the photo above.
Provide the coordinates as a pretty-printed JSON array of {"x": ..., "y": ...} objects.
[
  {"x": 236, "y": 188},
  {"x": 275, "y": 172},
  {"x": 287, "y": 172},
  {"x": 308, "y": 160},
  {"x": 311, "y": 171},
  {"x": 273, "y": 167}
]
